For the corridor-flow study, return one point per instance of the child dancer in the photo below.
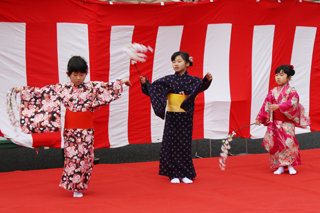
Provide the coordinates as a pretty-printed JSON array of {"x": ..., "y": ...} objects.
[
  {"x": 281, "y": 112},
  {"x": 40, "y": 112},
  {"x": 180, "y": 90}
]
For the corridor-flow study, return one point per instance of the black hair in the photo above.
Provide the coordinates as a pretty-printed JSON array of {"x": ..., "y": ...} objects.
[
  {"x": 287, "y": 69},
  {"x": 185, "y": 56},
  {"x": 77, "y": 64}
]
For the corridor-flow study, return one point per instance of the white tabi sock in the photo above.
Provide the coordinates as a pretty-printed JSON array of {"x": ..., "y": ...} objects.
[
  {"x": 175, "y": 180},
  {"x": 77, "y": 194},
  {"x": 279, "y": 171},
  {"x": 186, "y": 180},
  {"x": 292, "y": 171}
]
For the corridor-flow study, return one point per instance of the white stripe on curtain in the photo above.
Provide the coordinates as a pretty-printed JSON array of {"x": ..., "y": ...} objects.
[
  {"x": 262, "y": 46},
  {"x": 301, "y": 59},
  {"x": 13, "y": 64},
  {"x": 121, "y": 37},
  {"x": 73, "y": 40},
  {"x": 217, "y": 96},
  {"x": 168, "y": 41}
]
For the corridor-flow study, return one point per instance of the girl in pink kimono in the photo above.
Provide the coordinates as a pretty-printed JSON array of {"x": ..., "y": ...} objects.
[
  {"x": 40, "y": 113},
  {"x": 281, "y": 113}
]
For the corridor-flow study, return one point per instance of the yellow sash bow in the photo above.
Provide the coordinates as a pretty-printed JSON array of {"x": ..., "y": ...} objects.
[{"x": 174, "y": 102}]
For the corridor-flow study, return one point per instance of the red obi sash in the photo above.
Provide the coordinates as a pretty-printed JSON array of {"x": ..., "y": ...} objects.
[
  {"x": 277, "y": 115},
  {"x": 78, "y": 120}
]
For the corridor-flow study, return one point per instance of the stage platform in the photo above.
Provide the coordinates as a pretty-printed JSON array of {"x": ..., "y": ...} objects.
[{"x": 247, "y": 185}]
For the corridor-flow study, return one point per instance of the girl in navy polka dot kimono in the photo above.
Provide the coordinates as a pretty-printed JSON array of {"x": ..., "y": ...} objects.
[{"x": 177, "y": 92}]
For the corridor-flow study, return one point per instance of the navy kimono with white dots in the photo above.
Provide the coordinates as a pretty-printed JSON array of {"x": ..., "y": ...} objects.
[{"x": 175, "y": 154}]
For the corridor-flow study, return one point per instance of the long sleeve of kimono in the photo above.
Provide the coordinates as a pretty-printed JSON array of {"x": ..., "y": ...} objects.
[
  {"x": 105, "y": 92},
  {"x": 201, "y": 85},
  {"x": 294, "y": 111},
  {"x": 158, "y": 95},
  {"x": 40, "y": 109},
  {"x": 265, "y": 113}
]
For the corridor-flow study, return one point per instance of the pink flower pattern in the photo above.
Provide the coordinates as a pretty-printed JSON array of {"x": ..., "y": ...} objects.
[
  {"x": 40, "y": 112},
  {"x": 280, "y": 140}
]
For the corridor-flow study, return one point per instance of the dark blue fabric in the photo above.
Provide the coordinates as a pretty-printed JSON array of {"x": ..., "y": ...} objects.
[
  {"x": 175, "y": 83},
  {"x": 175, "y": 154}
]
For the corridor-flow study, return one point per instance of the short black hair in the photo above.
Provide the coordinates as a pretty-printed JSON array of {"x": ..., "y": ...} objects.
[
  {"x": 287, "y": 69},
  {"x": 77, "y": 64},
  {"x": 184, "y": 55}
]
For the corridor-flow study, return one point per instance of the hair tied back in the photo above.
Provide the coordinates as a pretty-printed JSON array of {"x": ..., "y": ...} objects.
[
  {"x": 292, "y": 70},
  {"x": 191, "y": 60}
]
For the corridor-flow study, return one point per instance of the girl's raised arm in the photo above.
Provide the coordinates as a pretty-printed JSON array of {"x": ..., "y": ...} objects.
[
  {"x": 208, "y": 76},
  {"x": 127, "y": 82}
]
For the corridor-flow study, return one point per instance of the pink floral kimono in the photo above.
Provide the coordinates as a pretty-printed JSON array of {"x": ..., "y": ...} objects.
[
  {"x": 280, "y": 140},
  {"x": 40, "y": 113}
]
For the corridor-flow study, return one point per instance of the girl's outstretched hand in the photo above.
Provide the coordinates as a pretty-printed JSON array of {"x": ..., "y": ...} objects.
[
  {"x": 257, "y": 123},
  {"x": 17, "y": 89},
  {"x": 127, "y": 82},
  {"x": 143, "y": 80},
  {"x": 208, "y": 76}
]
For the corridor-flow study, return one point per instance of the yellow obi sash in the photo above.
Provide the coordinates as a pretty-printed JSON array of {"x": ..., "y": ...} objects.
[{"x": 175, "y": 101}]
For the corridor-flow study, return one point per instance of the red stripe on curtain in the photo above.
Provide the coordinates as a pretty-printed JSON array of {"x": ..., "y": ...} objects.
[
  {"x": 139, "y": 121},
  {"x": 282, "y": 50},
  {"x": 240, "y": 78},
  {"x": 41, "y": 54},
  {"x": 99, "y": 46},
  {"x": 194, "y": 43},
  {"x": 314, "y": 111}
]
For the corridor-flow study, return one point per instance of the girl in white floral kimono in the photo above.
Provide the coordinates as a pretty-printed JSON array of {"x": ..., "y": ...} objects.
[
  {"x": 40, "y": 112},
  {"x": 281, "y": 112}
]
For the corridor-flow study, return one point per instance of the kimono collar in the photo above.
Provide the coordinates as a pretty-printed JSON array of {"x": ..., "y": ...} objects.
[
  {"x": 185, "y": 73},
  {"x": 287, "y": 85},
  {"x": 79, "y": 86}
]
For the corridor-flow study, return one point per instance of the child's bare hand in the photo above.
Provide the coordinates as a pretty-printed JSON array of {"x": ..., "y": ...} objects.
[
  {"x": 208, "y": 76},
  {"x": 143, "y": 79},
  {"x": 17, "y": 89},
  {"x": 274, "y": 107},
  {"x": 258, "y": 123},
  {"x": 127, "y": 82}
]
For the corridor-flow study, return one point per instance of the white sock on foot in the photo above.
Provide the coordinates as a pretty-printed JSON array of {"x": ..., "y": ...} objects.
[
  {"x": 77, "y": 194},
  {"x": 279, "y": 171},
  {"x": 186, "y": 180},
  {"x": 292, "y": 171},
  {"x": 175, "y": 180}
]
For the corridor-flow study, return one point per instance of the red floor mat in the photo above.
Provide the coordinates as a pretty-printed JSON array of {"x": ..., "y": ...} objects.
[{"x": 247, "y": 185}]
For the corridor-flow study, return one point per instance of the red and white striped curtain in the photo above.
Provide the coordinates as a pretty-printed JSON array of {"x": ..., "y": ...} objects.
[{"x": 240, "y": 42}]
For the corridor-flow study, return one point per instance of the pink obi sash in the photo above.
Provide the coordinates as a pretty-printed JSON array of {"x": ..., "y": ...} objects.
[{"x": 277, "y": 115}]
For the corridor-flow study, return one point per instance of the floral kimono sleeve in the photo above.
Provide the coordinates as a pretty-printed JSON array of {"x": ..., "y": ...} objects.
[
  {"x": 105, "y": 92},
  {"x": 40, "y": 109},
  {"x": 293, "y": 110},
  {"x": 264, "y": 114}
]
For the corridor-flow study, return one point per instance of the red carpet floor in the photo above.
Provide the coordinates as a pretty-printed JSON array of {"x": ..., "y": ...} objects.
[{"x": 247, "y": 185}]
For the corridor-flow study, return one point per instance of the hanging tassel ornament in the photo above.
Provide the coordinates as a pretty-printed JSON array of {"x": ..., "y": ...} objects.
[
  {"x": 13, "y": 109},
  {"x": 225, "y": 148}
]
